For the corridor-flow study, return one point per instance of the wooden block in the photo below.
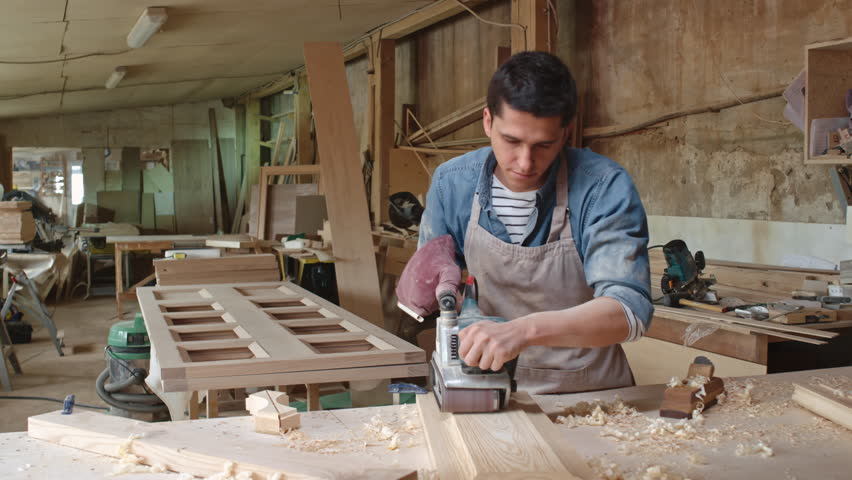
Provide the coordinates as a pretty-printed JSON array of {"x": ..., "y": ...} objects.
[
  {"x": 820, "y": 287},
  {"x": 272, "y": 412},
  {"x": 824, "y": 403}
]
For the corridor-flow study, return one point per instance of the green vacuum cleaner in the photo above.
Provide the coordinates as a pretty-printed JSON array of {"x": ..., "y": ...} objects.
[{"x": 122, "y": 383}]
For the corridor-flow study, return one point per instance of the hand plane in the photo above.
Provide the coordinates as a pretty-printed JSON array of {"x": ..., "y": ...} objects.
[{"x": 699, "y": 389}]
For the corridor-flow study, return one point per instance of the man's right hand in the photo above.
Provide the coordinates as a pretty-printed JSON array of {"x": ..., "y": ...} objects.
[{"x": 432, "y": 270}]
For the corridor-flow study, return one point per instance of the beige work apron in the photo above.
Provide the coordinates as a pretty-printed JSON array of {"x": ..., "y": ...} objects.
[{"x": 515, "y": 281}]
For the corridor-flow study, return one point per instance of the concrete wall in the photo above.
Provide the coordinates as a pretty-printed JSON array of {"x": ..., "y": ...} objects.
[{"x": 648, "y": 58}]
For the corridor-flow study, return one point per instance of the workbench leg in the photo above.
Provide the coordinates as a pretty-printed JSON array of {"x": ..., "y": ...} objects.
[
  {"x": 313, "y": 397},
  {"x": 212, "y": 403},
  {"x": 5, "y": 378},
  {"x": 193, "y": 406},
  {"x": 118, "y": 282}
]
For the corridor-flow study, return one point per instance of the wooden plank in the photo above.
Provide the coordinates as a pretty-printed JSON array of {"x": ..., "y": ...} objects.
[
  {"x": 497, "y": 444},
  {"x": 384, "y": 129},
  {"x": 127, "y": 205},
  {"x": 825, "y": 403},
  {"x": 355, "y": 262},
  {"x": 188, "y": 447},
  {"x": 753, "y": 325},
  {"x": 444, "y": 126},
  {"x": 298, "y": 378},
  {"x": 220, "y": 190},
  {"x": 724, "y": 341},
  {"x": 131, "y": 169},
  {"x": 265, "y": 345},
  {"x": 193, "y": 172}
]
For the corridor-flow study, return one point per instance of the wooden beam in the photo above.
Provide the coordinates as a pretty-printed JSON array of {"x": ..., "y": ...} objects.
[
  {"x": 304, "y": 142},
  {"x": 539, "y": 24},
  {"x": 253, "y": 142},
  {"x": 383, "y": 126},
  {"x": 219, "y": 185},
  {"x": 418, "y": 20},
  {"x": 355, "y": 261},
  {"x": 454, "y": 121}
]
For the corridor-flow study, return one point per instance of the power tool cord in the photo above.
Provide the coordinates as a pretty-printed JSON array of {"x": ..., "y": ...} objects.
[{"x": 48, "y": 399}]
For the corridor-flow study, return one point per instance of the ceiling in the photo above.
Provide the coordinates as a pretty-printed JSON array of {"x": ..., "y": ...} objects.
[{"x": 207, "y": 48}]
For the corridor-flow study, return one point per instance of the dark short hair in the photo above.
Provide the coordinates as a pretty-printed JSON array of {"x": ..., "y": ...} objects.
[{"x": 534, "y": 82}]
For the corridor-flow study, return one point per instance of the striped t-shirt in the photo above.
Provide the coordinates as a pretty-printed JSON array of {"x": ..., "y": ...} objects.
[{"x": 513, "y": 208}]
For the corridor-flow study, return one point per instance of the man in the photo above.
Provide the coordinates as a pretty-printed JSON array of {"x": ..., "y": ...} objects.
[{"x": 555, "y": 236}]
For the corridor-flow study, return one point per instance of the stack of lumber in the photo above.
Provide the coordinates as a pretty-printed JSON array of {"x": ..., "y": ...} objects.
[
  {"x": 16, "y": 222},
  {"x": 235, "y": 269},
  {"x": 751, "y": 282}
]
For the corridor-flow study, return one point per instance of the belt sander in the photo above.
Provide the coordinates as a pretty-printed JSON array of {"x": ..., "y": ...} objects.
[
  {"x": 460, "y": 388},
  {"x": 429, "y": 283}
]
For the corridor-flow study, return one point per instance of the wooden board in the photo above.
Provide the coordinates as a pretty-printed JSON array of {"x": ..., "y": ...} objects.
[
  {"x": 193, "y": 186},
  {"x": 126, "y": 205},
  {"x": 236, "y": 269},
  {"x": 825, "y": 403},
  {"x": 197, "y": 447},
  {"x": 280, "y": 208},
  {"x": 355, "y": 262},
  {"x": 407, "y": 174},
  {"x": 206, "y": 331},
  {"x": 513, "y": 443},
  {"x": 311, "y": 212}
]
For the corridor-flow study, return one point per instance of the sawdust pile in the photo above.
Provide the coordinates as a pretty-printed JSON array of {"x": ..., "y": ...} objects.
[{"x": 839, "y": 386}]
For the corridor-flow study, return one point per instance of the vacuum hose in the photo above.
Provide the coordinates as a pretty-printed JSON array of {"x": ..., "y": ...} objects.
[{"x": 135, "y": 402}]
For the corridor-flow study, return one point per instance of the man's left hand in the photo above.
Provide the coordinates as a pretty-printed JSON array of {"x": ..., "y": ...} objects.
[{"x": 488, "y": 345}]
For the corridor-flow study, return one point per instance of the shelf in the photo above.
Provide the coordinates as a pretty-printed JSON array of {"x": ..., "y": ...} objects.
[{"x": 829, "y": 76}]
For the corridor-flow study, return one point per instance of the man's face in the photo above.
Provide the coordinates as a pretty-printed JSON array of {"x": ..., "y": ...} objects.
[{"x": 525, "y": 146}]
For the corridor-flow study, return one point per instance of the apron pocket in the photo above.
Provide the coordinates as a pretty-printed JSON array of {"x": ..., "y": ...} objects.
[{"x": 538, "y": 381}]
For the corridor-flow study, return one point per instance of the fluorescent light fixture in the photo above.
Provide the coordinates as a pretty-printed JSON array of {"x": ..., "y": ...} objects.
[
  {"x": 116, "y": 77},
  {"x": 148, "y": 24}
]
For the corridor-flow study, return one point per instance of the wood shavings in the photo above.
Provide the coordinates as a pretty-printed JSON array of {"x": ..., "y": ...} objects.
[
  {"x": 696, "y": 459},
  {"x": 606, "y": 470},
  {"x": 756, "y": 448},
  {"x": 659, "y": 472},
  {"x": 391, "y": 430},
  {"x": 839, "y": 386},
  {"x": 299, "y": 440},
  {"x": 596, "y": 413},
  {"x": 130, "y": 463}
]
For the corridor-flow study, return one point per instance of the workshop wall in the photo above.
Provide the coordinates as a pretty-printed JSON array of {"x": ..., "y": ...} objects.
[
  {"x": 646, "y": 59},
  {"x": 183, "y": 129}
]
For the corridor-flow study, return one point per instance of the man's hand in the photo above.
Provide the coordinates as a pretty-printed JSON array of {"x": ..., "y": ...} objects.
[{"x": 488, "y": 345}]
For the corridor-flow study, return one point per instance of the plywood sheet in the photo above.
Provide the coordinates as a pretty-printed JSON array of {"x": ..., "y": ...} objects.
[
  {"x": 193, "y": 187},
  {"x": 125, "y": 205},
  {"x": 214, "y": 331}
]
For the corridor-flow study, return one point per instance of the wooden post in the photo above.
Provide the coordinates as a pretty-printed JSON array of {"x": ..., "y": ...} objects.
[
  {"x": 304, "y": 142},
  {"x": 383, "y": 126},
  {"x": 252, "y": 139},
  {"x": 219, "y": 185},
  {"x": 355, "y": 260},
  {"x": 539, "y": 23}
]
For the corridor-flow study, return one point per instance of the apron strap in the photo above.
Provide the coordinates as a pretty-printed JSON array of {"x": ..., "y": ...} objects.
[{"x": 560, "y": 211}]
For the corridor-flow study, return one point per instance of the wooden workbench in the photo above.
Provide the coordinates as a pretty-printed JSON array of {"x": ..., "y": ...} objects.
[
  {"x": 804, "y": 446},
  {"x": 151, "y": 243}
]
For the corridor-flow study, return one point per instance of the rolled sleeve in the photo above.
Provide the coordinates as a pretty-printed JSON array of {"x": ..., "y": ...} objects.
[{"x": 615, "y": 247}]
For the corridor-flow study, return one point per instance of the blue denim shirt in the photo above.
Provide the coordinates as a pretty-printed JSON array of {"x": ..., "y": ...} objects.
[{"x": 607, "y": 219}]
